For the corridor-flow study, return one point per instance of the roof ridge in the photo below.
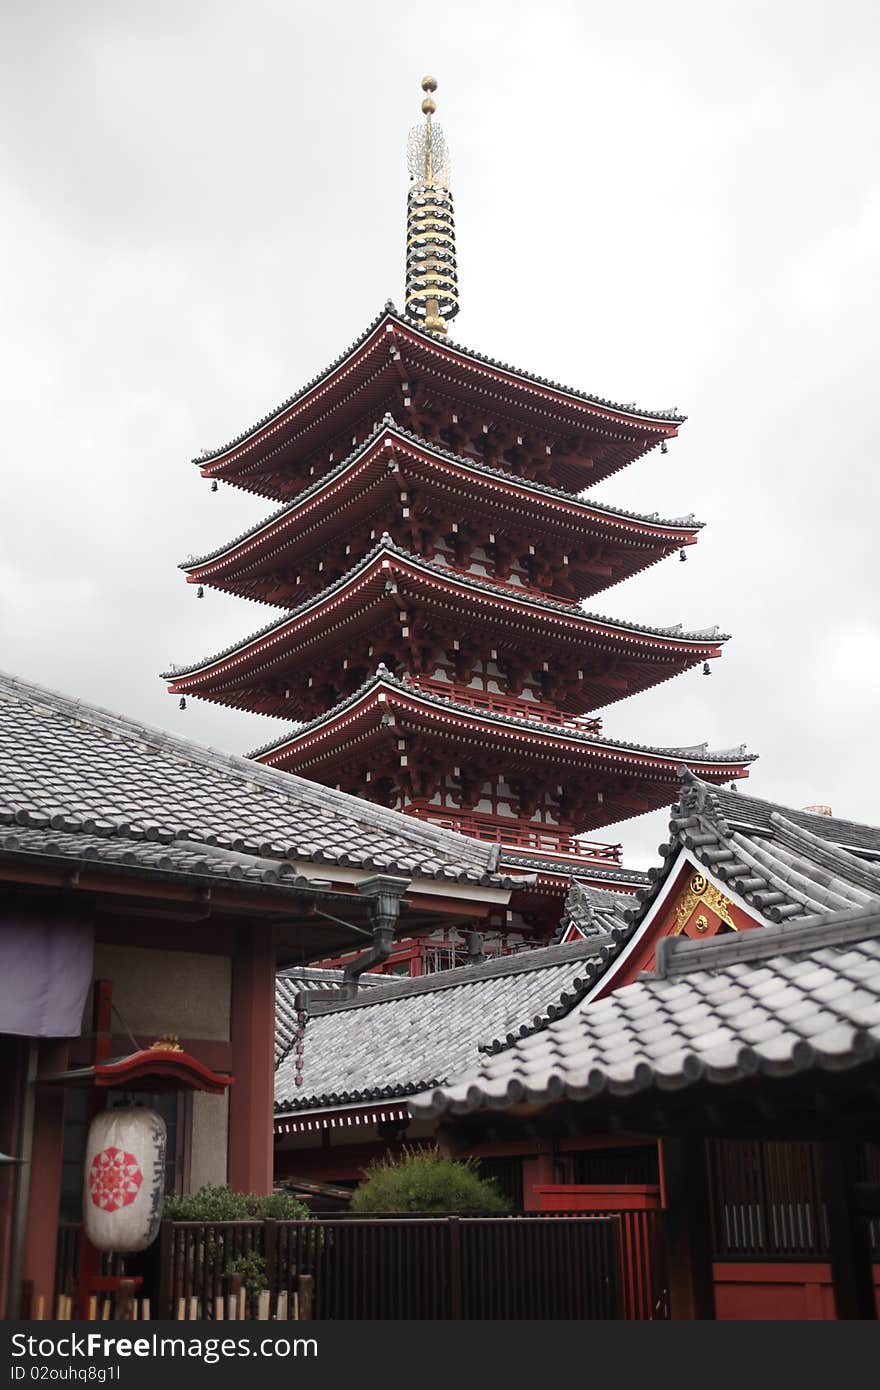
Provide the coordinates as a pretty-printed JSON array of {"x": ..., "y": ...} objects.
[
  {"x": 518, "y": 963},
  {"x": 738, "y": 813}
]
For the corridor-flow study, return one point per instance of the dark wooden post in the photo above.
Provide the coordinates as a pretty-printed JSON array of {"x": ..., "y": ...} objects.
[
  {"x": 270, "y": 1253},
  {"x": 454, "y": 1267},
  {"x": 688, "y": 1229},
  {"x": 852, "y": 1270},
  {"x": 26, "y": 1311},
  {"x": 165, "y": 1307}
]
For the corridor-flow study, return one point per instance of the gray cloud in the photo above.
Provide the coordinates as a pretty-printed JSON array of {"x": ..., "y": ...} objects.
[{"x": 203, "y": 204}]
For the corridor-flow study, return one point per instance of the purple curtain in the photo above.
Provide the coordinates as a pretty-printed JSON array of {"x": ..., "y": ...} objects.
[{"x": 46, "y": 965}]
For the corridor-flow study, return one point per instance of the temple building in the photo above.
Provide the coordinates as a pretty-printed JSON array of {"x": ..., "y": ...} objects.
[
  {"x": 750, "y": 963},
  {"x": 150, "y": 889},
  {"x": 432, "y": 555}
]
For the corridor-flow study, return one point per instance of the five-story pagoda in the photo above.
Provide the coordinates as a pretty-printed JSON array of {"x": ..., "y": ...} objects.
[{"x": 431, "y": 554}]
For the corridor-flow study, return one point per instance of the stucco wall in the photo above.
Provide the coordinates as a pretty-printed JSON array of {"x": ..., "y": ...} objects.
[
  {"x": 157, "y": 992},
  {"x": 183, "y": 992},
  {"x": 210, "y": 1136}
]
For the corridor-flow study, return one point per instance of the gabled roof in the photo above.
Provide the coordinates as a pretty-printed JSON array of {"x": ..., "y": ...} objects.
[
  {"x": 778, "y": 870},
  {"x": 516, "y": 378},
  {"x": 768, "y": 856},
  {"x": 676, "y": 528},
  {"x": 395, "y": 1038},
  {"x": 696, "y": 644},
  {"x": 770, "y": 1003},
  {"x": 69, "y": 770}
]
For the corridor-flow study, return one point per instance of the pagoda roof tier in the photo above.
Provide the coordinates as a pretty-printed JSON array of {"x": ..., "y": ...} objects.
[
  {"x": 393, "y": 472},
  {"x": 374, "y": 729},
  {"x": 398, "y": 361},
  {"x": 395, "y": 602}
]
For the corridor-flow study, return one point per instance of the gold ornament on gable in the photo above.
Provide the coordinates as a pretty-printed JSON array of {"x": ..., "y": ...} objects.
[{"x": 700, "y": 891}]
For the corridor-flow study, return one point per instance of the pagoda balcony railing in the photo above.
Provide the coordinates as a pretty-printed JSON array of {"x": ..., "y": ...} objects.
[
  {"x": 506, "y": 704},
  {"x": 552, "y": 843}
]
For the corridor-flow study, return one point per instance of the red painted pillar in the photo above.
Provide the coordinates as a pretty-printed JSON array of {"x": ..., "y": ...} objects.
[
  {"x": 252, "y": 1093},
  {"x": 44, "y": 1196}
]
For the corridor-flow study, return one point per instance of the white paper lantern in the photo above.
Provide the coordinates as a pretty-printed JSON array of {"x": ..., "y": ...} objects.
[{"x": 124, "y": 1178}]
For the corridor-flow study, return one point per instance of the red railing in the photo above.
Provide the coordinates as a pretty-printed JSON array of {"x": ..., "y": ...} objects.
[
  {"x": 553, "y": 843},
  {"x": 487, "y": 700}
]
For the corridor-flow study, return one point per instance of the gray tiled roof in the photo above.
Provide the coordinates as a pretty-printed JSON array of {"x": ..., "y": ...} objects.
[
  {"x": 785, "y": 864},
  {"x": 386, "y": 546},
  {"x": 594, "y": 911},
  {"x": 755, "y": 814},
  {"x": 781, "y": 870},
  {"x": 699, "y": 752},
  {"x": 36, "y": 836},
  {"x": 318, "y": 980},
  {"x": 391, "y": 313},
  {"x": 774, "y": 1002},
  {"x": 69, "y": 769},
  {"x": 388, "y": 425},
  {"x": 412, "y": 1033}
]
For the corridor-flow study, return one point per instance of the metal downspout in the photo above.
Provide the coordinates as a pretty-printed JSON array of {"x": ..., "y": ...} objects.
[{"x": 385, "y": 894}]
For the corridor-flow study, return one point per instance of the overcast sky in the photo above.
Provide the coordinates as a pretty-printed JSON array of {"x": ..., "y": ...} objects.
[{"x": 677, "y": 204}]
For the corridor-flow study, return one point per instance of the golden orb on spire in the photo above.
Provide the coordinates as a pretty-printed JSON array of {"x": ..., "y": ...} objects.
[{"x": 429, "y": 105}]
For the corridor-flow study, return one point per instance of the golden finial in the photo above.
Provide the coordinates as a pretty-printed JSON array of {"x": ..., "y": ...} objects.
[
  {"x": 429, "y": 105},
  {"x": 431, "y": 281}
]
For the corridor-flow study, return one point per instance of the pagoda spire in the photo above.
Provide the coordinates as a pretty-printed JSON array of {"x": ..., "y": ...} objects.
[{"x": 431, "y": 279}]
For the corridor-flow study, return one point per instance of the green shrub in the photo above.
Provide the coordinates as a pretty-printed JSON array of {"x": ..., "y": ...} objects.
[
  {"x": 252, "y": 1268},
  {"x": 221, "y": 1204},
  {"x": 422, "y": 1180}
]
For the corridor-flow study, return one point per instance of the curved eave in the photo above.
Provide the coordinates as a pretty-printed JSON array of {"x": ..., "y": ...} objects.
[
  {"x": 151, "y": 1069},
  {"x": 240, "y": 455},
  {"x": 386, "y": 560},
  {"x": 267, "y": 537},
  {"x": 383, "y": 696}
]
